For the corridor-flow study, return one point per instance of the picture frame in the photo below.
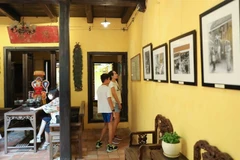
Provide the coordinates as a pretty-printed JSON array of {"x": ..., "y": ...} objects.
[
  {"x": 160, "y": 63},
  {"x": 136, "y": 68},
  {"x": 147, "y": 62},
  {"x": 220, "y": 52},
  {"x": 183, "y": 59}
]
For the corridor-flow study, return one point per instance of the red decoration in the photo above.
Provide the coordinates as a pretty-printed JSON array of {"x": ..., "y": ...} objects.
[{"x": 43, "y": 34}]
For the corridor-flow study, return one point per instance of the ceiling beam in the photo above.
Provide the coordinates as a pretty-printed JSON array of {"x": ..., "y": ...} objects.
[
  {"x": 30, "y": 1},
  {"x": 89, "y": 13},
  {"x": 127, "y": 14},
  {"x": 127, "y": 3},
  {"x": 9, "y": 12},
  {"x": 141, "y": 6},
  {"x": 49, "y": 12}
]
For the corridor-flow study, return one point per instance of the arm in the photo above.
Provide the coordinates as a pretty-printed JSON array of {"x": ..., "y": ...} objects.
[
  {"x": 111, "y": 105},
  {"x": 36, "y": 109},
  {"x": 42, "y": 107},
  {"x": 114, "y": 94}
]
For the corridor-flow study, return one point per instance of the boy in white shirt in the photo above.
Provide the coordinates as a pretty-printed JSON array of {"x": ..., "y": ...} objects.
[{"x": 105, "y": 106}]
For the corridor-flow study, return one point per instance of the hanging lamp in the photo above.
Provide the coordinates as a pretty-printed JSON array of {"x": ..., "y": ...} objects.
[{"x": 105, "y": 23}]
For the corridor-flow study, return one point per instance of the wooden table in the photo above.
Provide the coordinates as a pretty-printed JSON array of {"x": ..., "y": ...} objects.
[
  {"x": 158, "y": 155},
  {"x": 21, "y": 113}
]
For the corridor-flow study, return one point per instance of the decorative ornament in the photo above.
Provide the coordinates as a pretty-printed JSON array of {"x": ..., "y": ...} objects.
[
  {"x": 22, "y": 27},
  {"x": 77, "y": 67}
]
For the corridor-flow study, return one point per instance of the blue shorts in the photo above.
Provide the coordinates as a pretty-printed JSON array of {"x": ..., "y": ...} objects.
[
  {"x": 107, "y": 117},
  {"x": 116, "y": 108},
  {"x": 47, "y": 120}
]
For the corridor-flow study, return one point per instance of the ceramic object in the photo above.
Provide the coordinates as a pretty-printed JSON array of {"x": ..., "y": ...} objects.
[{"x": 171, "y": 150}]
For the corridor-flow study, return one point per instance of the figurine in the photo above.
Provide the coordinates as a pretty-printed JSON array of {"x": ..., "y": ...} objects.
[{"x": 40, "y": 89}]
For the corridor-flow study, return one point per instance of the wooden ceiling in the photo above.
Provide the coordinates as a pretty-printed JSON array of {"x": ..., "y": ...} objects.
[{"x": 90, "y": 9}]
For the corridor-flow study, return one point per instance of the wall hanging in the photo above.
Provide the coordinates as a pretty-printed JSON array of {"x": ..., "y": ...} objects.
[
  {"x": 77, "y": 67},
  {"x": 42, "y": 34}
]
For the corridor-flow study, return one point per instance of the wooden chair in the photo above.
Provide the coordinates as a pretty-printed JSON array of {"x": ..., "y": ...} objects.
[
  {"x": 54, "y": 139},
  {"x": 77, "y": 129},
  {"x": 140, "y": 149},
  {"x": 76, "y": 132},
  {"x": 2, "y": 111},
  {"x": 211, "y": 152}
]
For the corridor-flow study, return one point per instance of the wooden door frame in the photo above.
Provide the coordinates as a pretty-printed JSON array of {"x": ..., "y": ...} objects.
[
  {"x": 124, "y": 81},
  {"x": 7, "y": 67}
]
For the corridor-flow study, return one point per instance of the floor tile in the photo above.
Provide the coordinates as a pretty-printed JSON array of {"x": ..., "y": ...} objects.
[{"x": 90, "y": 137}]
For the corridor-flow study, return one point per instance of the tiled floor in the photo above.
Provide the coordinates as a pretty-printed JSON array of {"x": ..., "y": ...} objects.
[{"x": 90, "y": 136}]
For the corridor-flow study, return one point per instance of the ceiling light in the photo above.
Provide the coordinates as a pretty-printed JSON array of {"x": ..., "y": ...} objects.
[{"x": 105, "y": 23}]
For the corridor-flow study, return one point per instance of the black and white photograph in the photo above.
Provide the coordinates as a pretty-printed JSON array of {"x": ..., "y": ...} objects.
[
  {"x": 183, "y": 63},
  {"x": 160, "y": 64},
  {"x": 147, "y": 62},
  {"x": 220, "y": 45},
  {"x": 219, "y": 30}
]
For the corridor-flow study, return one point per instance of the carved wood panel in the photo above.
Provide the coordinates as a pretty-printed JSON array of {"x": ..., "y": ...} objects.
[
  {"x": 162, "y": 125},
  {"x": 212, "y": 152}
]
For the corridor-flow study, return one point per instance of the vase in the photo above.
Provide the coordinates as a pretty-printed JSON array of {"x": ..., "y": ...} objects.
[{"x": 171, "y": 150}]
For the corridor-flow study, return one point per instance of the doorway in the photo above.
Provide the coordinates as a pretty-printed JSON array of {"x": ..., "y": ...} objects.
[
  {"x": 19, "y": 65},
  {"x": 103, "y": 62}
]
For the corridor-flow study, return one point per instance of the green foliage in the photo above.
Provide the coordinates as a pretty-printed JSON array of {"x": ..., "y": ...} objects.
[
  {"x": 172, "y": 137},
  {"x": 77, "y": 67}
]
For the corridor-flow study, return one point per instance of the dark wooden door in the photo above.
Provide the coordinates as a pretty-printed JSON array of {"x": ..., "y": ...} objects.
[
  {"x": 27, "y": 61},
  {"x": 9, "y": 79},
  {"x": 122, "y": 68}
]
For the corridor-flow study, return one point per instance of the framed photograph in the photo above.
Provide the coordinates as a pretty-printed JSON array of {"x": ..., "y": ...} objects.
[
  {"x": 136, "y": 68},
  {"x": 160, "y": 63},
  {"x": 219, "y": 30},
  {"x": 147, "y": 62},
  {"x": 183, "y": 55}
]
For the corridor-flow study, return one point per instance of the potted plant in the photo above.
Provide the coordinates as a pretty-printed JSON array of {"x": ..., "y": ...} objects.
[{"x": 171, "y": 144}]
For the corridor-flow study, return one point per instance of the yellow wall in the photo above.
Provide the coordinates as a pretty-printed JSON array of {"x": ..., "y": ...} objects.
[{"x": 196, "y": 112}]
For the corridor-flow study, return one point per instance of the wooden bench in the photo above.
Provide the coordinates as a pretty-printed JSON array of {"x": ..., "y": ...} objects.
[
  {"x": 209, "y": 152},
  {"x": 140, "y": 150},
  {"x": 77, "y": 128},
  {"x": 202, "y": 151}
]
